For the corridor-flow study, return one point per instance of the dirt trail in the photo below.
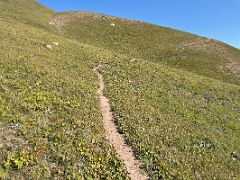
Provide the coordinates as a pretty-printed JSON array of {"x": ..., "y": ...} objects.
[{"x": 114, "y": 137}]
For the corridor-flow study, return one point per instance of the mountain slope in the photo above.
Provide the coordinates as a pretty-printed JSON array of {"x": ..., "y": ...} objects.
[
  {"x": 153, "y": 43},
  {"x": 49, "y": 108},
  {"x": 176, "y": 108},
  {"x": 27, "y": 11},
  {"x": 182, "y": 126}
]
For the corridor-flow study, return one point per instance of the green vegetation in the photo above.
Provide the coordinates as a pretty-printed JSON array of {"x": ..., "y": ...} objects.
[
  {"x": 174, "y": 95},
  {"x": 152, "y": 43},
  {"x": 49, "y": 108},
  {"x": 181, "y": 125},
  {"x": 27, "y": 11}
]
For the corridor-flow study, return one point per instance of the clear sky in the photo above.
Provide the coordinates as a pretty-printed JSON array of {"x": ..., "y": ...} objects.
[{"x": 218, "y": 19}]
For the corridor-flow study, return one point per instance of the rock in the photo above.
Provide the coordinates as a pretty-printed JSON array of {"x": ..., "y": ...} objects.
[
  {"x": 49, "y": 46},
  {"x": 132, "y": 60},
  {"x": 56, "y": 43},
  {"x": 236, "y": 155},
  {"x": 113, "y": 24},
  {"x": 69, "y": 133}
]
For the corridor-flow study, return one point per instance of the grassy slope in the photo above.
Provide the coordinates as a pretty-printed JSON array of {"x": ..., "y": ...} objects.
[
  {"x": 49, "y": 106},
  {"x": 27, "y": 11},
  {"x": 150, "y": 42},
  {"x": 181, "y": 125}
]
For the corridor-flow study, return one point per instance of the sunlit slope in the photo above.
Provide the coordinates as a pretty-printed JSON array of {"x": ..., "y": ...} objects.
[
  {"x": 50, "y": 122},
  {"x": 153, "y": 43},
  {"x": 181, "y": 125},
  {"x": 27, "y": 11}
]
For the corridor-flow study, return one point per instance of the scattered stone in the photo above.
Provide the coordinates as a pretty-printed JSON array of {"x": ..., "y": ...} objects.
[
  {"x": 214, "y": 47},
  {"x": 236, "y": 155},
  {"x": 62, "y": 20},
  {"x": 234, "y": 67},
  {"x": 113, "y": 24},
  {"x": 15, "y": 126},
  {"x": 56, "y": 43},
  {"x": 9, "y": 145},
  {"x": 132, "y": 60},
  {"x": 49, "y": 46},
  {"x": 53, "y": 166},
  {"x": 69, "y": 133}
]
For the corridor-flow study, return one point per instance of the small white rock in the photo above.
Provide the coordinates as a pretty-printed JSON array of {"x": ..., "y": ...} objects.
[
  {"x": 132, "y": 60},
  {"x": 49, "y": 46},
  {"x": 56, "y": 43},
  {"x": 113, "y": 24}
]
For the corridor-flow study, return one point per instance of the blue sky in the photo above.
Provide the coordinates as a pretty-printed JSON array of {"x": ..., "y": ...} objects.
[{"x": 218, "y": 19}]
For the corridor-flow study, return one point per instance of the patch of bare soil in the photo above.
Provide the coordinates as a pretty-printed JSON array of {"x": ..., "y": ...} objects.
[
  {"x": 213, "y": 47},
  {"x": 234, "y": 67},
  {"x": 117, "y": 140},
  {"x": 205, "y": 44},
  {"x": 63, "y": 19}
]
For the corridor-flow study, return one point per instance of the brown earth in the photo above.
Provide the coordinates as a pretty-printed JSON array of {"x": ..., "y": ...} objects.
[{"x": 116, "y": 139}]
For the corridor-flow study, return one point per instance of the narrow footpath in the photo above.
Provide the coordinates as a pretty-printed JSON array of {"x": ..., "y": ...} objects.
[{"x": 116, "y": 139}]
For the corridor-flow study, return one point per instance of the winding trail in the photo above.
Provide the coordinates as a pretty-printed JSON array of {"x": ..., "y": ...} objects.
[{"x": 117, "y": 140}]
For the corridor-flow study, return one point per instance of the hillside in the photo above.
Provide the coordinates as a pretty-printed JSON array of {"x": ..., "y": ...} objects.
[
  {"x": 153, "y": 43},
  {"x": 26, "y": 11},
  {"x": 181, "y": 125},
  {"x": 174, "y": 97}
]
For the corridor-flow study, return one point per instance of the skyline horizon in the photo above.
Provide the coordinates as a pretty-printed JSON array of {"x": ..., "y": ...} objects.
[{"x": 208, "y": 30}]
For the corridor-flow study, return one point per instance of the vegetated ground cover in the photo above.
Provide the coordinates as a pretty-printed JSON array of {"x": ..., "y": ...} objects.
[
  {"x": 27, "y": 11},
  {"x": 50, "y": 122},
  {"x": 181, "y": 125},
  {"x": 153, "y": 43}
]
